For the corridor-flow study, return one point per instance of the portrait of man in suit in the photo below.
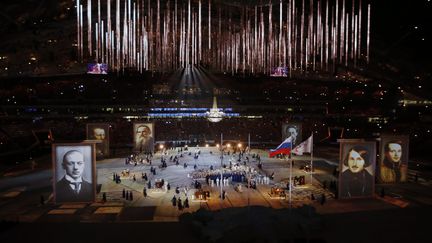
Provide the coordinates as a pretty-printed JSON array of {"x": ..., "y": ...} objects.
[{"x": 73, "y": 185}]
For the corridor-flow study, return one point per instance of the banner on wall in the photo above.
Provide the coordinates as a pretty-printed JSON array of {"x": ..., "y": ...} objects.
[
  {"x": 99, "y": 131},
  {"x": 293, "y": 130},
  {"x": 143, "y": 137},
  {"x": 74, "y": 172},
  {"x": 357, "y": 169},
  {"x": 393, "y": 163}
]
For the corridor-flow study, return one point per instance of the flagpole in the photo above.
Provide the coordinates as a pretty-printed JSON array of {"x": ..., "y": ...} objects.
[
  {"x": 220, "y": 181},
  {"x": 290, "y": 176},
  {"x": 312, "y": 160},
  {"x": 249, "y": 143}
]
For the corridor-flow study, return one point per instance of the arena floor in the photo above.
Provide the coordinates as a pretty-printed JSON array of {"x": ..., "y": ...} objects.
[
  {"x": 28, "y": 188},
  {"x": 184, "y": 178},
  {"x": 20, "y": 200}
]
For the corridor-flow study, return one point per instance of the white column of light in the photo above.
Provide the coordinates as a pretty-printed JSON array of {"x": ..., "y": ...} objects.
[
  {"x": 336, "y": 39},
  {"x": 355, "y": 40},
  {"x": 294, "y": 33},
  {"x": 302, "y": 34},
  {"x": 333, "y": 38},
  {"x": 117, "y": 36},
  {"x": 342, "y": 33},
  {"x": 289, "y": 44},
  {"x": 89, "y": 28},
  {"x": 134, "y": 35},
  {"x": 81, "y": 32},
  {"x": 199, "y": 31},
  {"x": 280, "y": 32},
  {"x": 359, "y": 30},
  {"x": 320, "y": 34},
  {"x": 209, "y": 27},
  {"x": 181, "y": 44},
  {"x": 313, "y": 35},
  {"x": 108, "y": 30},
  {"x": 174, "y": 36},
  {"x": 97, "y": 40},
  {"x": 188, "y": 48},
  {"x": 78, "y": 27},
  {"x": 124, "y": 46},
  {"x": 352, "y": 29},
  {"x": 368, "y": 34},
  {"x": 99, "y": 33},
  {"x": 306, "y": 54},
  {"x": 346, "y": 38},
  {"x": 326, "y": 45},
  {"x": 192, "y": 38},
  {"x": 255, "y": 53}
]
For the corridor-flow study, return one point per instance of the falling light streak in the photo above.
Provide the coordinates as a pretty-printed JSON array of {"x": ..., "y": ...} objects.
[
  {"x": 81, "y": 48},
  {"x": 148, "y": 37},
  {"x": 359, "y": 29},
  {"x": 368, "y": 34},
  {"x": 97, "y": 41},
  {"x": 98, "y": 48},
  {"x": 342, "y": 33},
  {"x": 89, "y": 27},
  {"x": 346, "y": 38},
  {"x": 209, "y": 25},
  {"x": 78, "y": 28}
]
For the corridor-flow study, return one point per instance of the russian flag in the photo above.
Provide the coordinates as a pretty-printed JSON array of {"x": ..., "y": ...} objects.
[{"x": 283, "y": 148}]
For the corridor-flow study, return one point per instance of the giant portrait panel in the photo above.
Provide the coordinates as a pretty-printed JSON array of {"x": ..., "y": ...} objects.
[
  {"x": 393, "y": 160},
  {"x": 74, "y": 178},
  {"x": 293, "y": 129},
  {"x": 357, "y": 169},
  {"x": 143, "y": 137},
  {"x": 99, "y": 131}
]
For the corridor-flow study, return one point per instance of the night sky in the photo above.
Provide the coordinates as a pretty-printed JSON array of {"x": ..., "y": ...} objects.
[{"x": 401, "y": 30}]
